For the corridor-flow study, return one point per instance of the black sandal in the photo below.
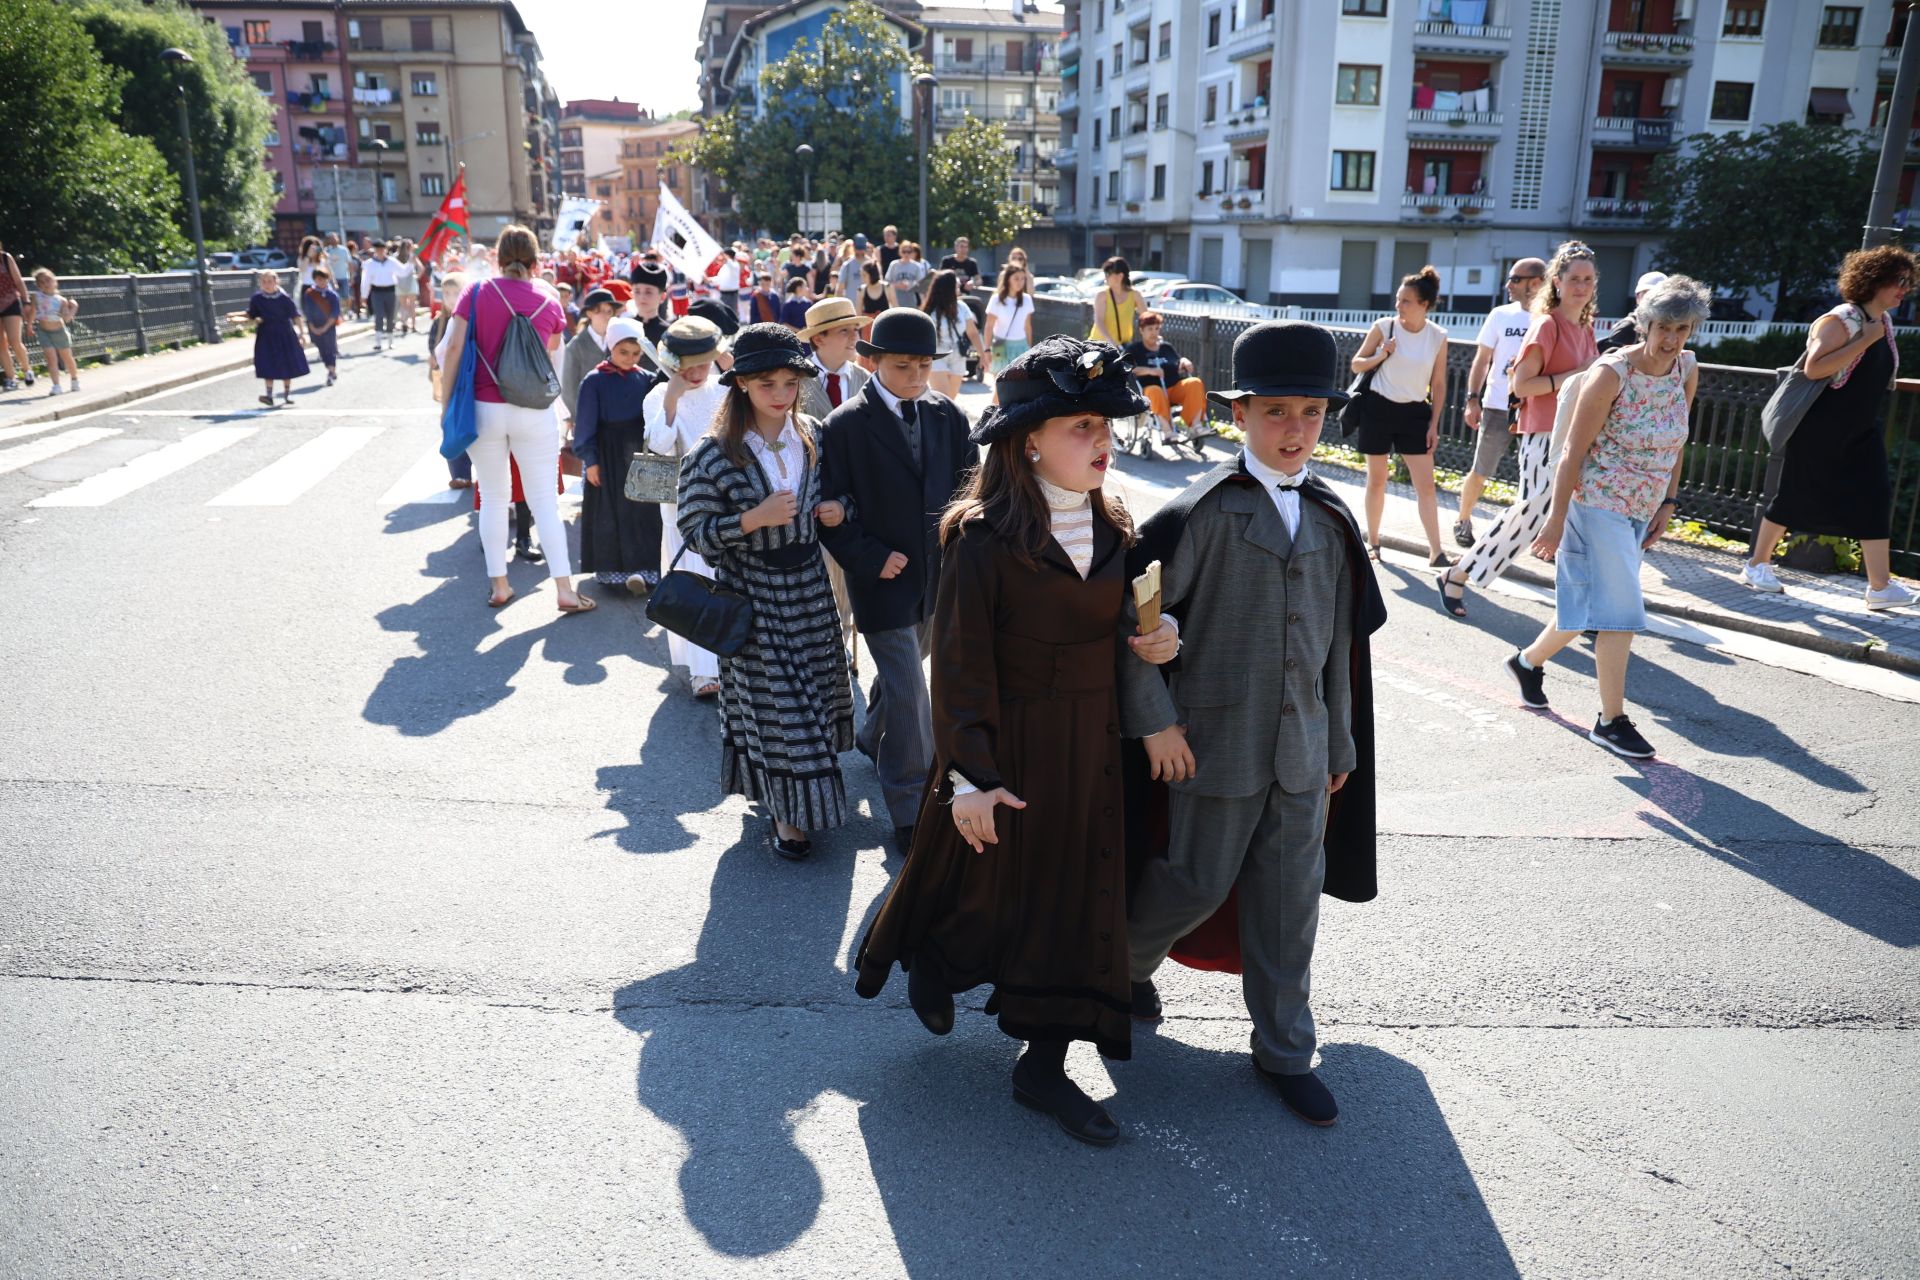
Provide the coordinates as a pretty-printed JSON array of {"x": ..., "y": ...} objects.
[
  {"x": 1455, "y": 605},
  {"x": 1373, "y": 551}
]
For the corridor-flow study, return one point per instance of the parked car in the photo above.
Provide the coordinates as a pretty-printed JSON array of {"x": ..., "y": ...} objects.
[
  {"x": 1060, "y": 287},
  {"x": 221, "y": 261},
  {"x": 1213, "y": 299},
  {"x": 262, "y": 259}
]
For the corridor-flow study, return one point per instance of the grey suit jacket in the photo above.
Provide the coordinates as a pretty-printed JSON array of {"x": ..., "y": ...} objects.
[
  {"x": 813, "y": 391},
  {"x": 1262, "y": 681},
  {"x": 581, "y": 356}
]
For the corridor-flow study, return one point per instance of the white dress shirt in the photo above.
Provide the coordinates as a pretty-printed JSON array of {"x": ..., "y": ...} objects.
[
  {"x": 384, "y": 272},
  {"x": 783, "y": 460},
  {"x": 1282, "y": 488}
]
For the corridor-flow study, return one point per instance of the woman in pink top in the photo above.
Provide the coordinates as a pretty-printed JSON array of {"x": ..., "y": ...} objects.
[
  {"x": 531, "y": 436},
  {"x": 1559, "y": 345}
]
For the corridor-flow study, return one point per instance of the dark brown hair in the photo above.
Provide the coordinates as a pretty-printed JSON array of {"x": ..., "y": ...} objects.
[
  {"x": 943, "y": 296},
  {"x": 734, "y": 418},
  {"x": 1425, "y": 283},
  {"x": 1866, "y": 272},
  {"x": 1112, "y": 265},
  {"x": 1005, "y": 490}
]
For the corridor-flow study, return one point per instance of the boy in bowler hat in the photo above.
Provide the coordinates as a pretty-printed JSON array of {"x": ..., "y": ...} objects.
[
  {"x": 895, "y": 454},
  {"x": 1257, "y": 771}
]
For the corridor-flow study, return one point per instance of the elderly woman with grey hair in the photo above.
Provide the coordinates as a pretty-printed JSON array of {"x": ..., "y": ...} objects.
[{"x": 1612, "y": 497}]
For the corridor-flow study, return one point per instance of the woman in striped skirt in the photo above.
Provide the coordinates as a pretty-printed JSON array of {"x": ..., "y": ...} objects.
[{"x": 749, "y": 504}]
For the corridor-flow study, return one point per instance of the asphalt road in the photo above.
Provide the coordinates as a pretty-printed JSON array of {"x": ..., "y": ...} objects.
[{"x": 352, "y": 929}]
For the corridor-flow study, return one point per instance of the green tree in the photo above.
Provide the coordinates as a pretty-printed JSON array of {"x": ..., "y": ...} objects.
[
  {"x": 837, "y": 95},
  {"x": 1772, "y": 210},
  {"x": 967, "y": 180},
  {"x": 76, "y": 193},
  {"x": 227, "y": 114}
]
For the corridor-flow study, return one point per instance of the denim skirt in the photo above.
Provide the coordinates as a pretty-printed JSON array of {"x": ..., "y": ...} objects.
[{"x": 1596, "y": 575}]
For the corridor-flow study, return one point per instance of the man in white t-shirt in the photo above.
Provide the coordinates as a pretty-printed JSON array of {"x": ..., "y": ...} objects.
[{"x": 1500, "y": 340}]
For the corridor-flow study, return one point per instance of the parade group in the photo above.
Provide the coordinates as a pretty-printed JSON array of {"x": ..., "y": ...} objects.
[{"x": 1139, "y": 740}]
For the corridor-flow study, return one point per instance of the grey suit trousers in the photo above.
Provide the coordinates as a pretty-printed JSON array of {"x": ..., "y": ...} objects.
[
  {"x": 1271, "y": 844},
  {"x": 898, "y": 730}
]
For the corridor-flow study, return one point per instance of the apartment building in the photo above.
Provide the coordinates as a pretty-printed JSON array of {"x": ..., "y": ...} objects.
[
  {"x": 645, "y": 166},
  {"x": 438, "y": 84},
  {"x": 592, "y": 131},
  {"x": 1314, "y": 151}
]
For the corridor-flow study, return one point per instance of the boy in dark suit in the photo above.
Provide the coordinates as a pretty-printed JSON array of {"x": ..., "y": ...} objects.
[
  {"x": 1265, "y": 570},
  {"x": 895, "y": 455}
]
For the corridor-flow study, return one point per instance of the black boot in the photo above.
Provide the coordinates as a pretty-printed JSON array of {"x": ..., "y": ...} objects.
[
  {"x": 523, "y": 548},
  {"x": 931, "y": 1002},
  {"x": 1040, "y": 1081}
]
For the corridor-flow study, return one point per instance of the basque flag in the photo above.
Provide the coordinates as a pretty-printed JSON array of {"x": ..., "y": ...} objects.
[{"x": 450, "y": 221}]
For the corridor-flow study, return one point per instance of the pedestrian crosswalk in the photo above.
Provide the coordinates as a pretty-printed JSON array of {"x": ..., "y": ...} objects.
[
  {"x": 297, "y": 472},
  {"x": 99, "y": 490}
]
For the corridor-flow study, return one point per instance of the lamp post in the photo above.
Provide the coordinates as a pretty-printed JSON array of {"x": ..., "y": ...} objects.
[
  {"x": 379, "y": 146},
  {"x": 923, "y": 86},
  {"x": 805, "y": 152},
  {"x": 202, "y": 287},
  {"x": 1453, "y": 269}
]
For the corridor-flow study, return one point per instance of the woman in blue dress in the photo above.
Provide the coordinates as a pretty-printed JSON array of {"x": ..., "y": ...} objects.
[{"x": 277, "y": 352}]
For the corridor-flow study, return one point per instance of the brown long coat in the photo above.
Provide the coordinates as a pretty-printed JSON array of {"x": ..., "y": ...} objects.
[{"x": 1023, "y": 697}]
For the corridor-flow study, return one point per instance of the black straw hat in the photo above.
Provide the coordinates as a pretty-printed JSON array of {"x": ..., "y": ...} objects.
[
  {"x": 1055, "y": 377},
  {"x": 762, "y": 348},
  {"x": 902, "y": 331},
  {"x": 1285, "y": 358}
]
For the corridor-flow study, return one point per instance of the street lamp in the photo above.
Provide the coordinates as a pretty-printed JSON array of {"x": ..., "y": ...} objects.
[
  {"x": 805, "y": 152},
  {"x": 379, "y": 146},
  {"x": 923, "y": 86},
  {"x": 1453, "y": 270},
  {"x": 203, "y": 289}
]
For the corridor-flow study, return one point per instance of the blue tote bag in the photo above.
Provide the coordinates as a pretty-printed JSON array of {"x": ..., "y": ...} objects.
[{"x": 458, "y": 429}]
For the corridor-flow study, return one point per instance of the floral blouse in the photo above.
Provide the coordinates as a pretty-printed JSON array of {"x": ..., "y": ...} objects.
[{"x": 1627, "y": 469}]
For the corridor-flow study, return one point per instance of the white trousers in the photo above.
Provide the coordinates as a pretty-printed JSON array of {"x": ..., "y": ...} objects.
[
  {"x": 532, "y": 436},
  {"x": 1514, "y": 530},
  {"x": 701, "y": 666}
]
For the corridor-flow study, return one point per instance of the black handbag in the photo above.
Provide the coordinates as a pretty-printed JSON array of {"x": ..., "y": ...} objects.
[
  {"x": 1353, "y": 411},
  {"x": 716, "y": 618}
]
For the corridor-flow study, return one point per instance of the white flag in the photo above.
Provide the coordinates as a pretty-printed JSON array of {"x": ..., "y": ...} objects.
[{"x": 682, "y": 239}]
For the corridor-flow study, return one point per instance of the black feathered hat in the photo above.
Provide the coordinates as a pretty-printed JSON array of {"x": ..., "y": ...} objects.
[
  {"x": 1285, "y": 358},
  {"x": 762, "y": 348},
  {"x": 1055, "y": 377}
]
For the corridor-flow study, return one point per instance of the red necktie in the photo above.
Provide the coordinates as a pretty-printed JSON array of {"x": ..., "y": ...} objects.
[{"x": 833, "y": 390}]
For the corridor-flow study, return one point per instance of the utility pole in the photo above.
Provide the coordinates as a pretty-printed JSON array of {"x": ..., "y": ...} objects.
[
  {"x": 202, "y": 286},
  {"x": 1893, "y": 144}
]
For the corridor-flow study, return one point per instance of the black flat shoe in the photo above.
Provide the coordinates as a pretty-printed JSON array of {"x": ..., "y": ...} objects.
[
  {"x": 1455, "y": 605},
  {"x": 1303, "y": 1095},
  {"x": 903, "y": 839},
  {"x": 791, "y": 850},
  {"x": 1440, "y": 560},
  {"x": 932, "y": 1005},
  {"x": 1077, "y": 1115},
  {"x": 1146, "y": 1002}
]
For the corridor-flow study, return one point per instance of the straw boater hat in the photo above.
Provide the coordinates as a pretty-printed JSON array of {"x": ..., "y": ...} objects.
[
  {"x": 830, "y": 313},
  {"x": 690, "y": 341}
]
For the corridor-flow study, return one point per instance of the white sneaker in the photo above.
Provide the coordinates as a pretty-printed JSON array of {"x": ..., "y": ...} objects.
[
  {"x": 1891, "y": 596},
  {"x": 54, "y": 390},
  {"x": 1760, "y": 578}
]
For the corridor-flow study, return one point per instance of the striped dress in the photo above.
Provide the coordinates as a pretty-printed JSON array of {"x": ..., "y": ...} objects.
[{"x": 786, "y": 704}]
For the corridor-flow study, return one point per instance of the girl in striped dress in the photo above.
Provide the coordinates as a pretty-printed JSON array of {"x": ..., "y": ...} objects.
[{"x": 749, "y": 504}]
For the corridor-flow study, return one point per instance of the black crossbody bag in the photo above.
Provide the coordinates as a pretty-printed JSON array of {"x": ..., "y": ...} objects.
[
  {"x": 696, "y": 608},
  {"x": 1353, "y": 411}
]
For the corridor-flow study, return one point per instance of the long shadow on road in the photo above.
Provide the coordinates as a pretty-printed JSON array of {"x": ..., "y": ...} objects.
[{"x": 1213, "y": 1179}]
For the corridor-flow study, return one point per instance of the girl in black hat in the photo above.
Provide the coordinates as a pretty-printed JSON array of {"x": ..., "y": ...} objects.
[
  {"x": 1017, "y": 878},
  {"x": 749, "y": 504}
]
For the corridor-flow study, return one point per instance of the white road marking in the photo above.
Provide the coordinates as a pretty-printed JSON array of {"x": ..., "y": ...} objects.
[
  {"x": 424, "y": 481},
  {"x": 97, "y": 491},
  {"x": 283, "y": 481},
  {"x": 263, "y": 412},
  {"x": 25, "y": 455}
]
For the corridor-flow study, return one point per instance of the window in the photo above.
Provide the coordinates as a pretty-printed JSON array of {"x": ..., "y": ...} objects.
[
  {"x": 1828, "y": 107},
  {"x": 1839, "y": 27},
  {"x": 425, "y": 86},
  {"x": 1744, "y": 19},
  {"x": 257, "y": 32},
  {"x": 273, "y": 137},
  {"x": 1732, "y": 100},
  {"x": 1626, "y": 98},
  {"x": 1166, "y": 40},
  {"x": 390, "y": 187},
  {"x": 1099, "y": 73},
  {"x": 319, "y": 84},
  {"x": 263, "y": 81},
  {"x": 1353, "y": 171},
  {"x": 1096, "y": 133},
  {"x": 1049, "y": 100},
  {"x": 372, "y": 34},
  {"x": 1159, "y": 182},
  {"x": 427, "y": 135},
  {"x": 1206, "y": 177},
  {"x": 1213, "y": 29},
  {"x": 1113, "y": 185},
  {"x": 1357, "y": 86},
  {"x": 313, "y": 32},
  {"x": 963, "y": 50},
  {"x": 279, "y": 184},
  {"x": 1213, "y": 102},
  {"x": 1160, "y": 112},
  {"x": 420, "y": 32},
  {"x": 433, "y": 184},
  {"x": 1113, "y": 123},
  {"x": 1119, "y": 64},
  {"x": 1363, "y": 9}
]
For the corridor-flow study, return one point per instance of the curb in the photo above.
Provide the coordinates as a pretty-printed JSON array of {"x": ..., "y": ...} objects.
[
  {"x": 1873, "y": 655},
  {"x": 167, "y": 382}
]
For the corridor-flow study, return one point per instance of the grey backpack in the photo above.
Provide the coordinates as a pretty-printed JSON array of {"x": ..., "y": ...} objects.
[{"x": 525, "y": 373}]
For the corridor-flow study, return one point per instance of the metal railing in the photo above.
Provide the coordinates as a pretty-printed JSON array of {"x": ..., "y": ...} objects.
[
  {"x": 134, "y": 314},
  {"x": 1725, "y": 459}
]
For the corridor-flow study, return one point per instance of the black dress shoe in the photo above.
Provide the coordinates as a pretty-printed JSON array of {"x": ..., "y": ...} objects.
[
  {"x": 903, "y": 838},
  {"x": 791, "y": 850},
  {"x": 1077, "y": 1114},
  {"x": 1303, "y": 1095},
  {"x": 932, "y": 1004},
  {"x": 1146, "y": 1002}
]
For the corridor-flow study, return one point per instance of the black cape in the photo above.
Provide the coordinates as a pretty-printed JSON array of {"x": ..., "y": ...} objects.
[{"x": 1350, "y": 813}]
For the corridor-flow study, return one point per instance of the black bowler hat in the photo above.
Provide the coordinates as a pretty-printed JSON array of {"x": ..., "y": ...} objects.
[
  {"x": 1284, "y": 358},
  {"x": 1055, "y": 377},
  {"x": 652, "y": 273},
  {"x": 902, "y": 331},
  {"x": 762, "y": 348},
  {"x": 718, "y": 312}
]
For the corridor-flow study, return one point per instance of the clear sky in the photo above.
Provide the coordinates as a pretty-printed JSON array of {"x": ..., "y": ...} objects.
[{"x": 642, "y": 51}]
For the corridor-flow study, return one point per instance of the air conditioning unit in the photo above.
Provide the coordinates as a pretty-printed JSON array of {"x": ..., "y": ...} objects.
[{"x": 1670, "y": 96}]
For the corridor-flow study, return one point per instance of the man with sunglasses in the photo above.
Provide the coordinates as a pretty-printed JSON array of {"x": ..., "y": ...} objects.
[{"x": 1499, "y": 344}]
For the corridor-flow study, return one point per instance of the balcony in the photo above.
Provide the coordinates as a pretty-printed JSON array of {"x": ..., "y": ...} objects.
[
  {"x": 1433, "y": 204},
  {"x": 1478, "y": 41},
  {"x": 1255, "y": 40},
  {"x": 1645, "y": 49},
  {"x": 363, "y": 54},
  {"x": 989, "y": 63},
  {"x": 1633, "y": 133},
  {"x": 1243, "y": 204},
  {"x": 378, "y": 99},
  {"x": 1066, "y": 158},
  {"x": 1068, "y": 104},
  {"x": 1617, "y": 211},
  {"x": 309, "y": 50},
  {"x": 1454, "y": 125},
  {"x": 1069, "y": 47},
  {"x": 316, "y": 103},
  {"x": 1248, "y": 124}
]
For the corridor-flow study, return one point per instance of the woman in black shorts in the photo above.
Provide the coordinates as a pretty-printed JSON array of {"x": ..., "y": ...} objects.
[
  {"x": 1400, "y": 412},
  {"x": 13, "y": 311}
]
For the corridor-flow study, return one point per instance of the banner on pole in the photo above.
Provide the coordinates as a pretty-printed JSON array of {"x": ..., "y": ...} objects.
[{"x": 683, "y": 240}]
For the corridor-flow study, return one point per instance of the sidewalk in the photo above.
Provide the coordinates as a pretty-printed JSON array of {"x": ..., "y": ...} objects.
[
  {"x": 107, "y": 385},
  {"x": 1821, "y": 612}
]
